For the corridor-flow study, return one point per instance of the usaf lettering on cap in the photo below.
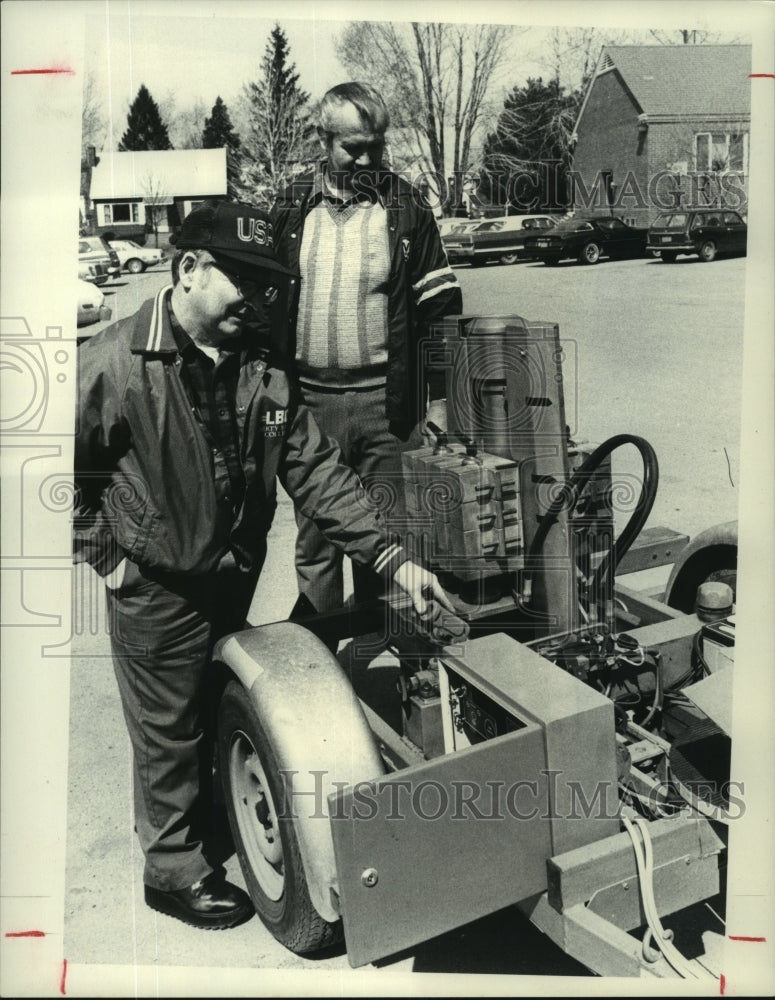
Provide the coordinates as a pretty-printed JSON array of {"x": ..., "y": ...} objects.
[
  {"x": 255, "y": 231},
  {"x": 274, "y": 422}
]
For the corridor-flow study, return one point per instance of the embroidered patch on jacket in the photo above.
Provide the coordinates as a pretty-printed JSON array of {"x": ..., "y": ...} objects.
[{"x": 274, "y": 422}]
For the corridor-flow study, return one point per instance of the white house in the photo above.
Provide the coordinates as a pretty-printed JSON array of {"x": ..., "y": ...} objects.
[{"x": 134, "y": 193}]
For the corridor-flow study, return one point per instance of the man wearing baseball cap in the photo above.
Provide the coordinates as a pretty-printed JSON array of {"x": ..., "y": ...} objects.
[{"x": 186, "y": 418}]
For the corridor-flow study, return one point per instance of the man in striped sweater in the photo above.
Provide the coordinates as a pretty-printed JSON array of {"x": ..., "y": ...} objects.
[{"x": 374, "y": 277}]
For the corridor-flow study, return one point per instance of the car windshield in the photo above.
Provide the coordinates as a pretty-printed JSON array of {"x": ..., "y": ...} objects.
[
  {"x": 675, "y": 221},
  {"x": 488, "y": 227}
]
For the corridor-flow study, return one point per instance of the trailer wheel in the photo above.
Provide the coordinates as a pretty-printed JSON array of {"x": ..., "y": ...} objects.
[
  {"x": 509, "y": 258},
  {"x": 264, "y": 835},
  {"x": 715, "y": 564}
]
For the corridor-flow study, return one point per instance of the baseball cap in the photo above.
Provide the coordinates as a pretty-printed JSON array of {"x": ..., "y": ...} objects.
[{"x": 239, "y": 235}]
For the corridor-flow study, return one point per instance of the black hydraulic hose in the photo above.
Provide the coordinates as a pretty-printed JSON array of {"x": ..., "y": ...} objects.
[{"x": 567, "y": 498}]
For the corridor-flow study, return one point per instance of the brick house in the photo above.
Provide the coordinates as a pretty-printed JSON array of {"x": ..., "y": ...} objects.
[
  {"x": 664, "y": 125},
  {"x": 134, "y": 194}
]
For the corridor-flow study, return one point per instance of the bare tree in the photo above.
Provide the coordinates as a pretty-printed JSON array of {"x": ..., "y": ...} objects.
[
  {"x": 435, "y": 79},
  {"x": 92, "y": 121},
  {"x": 693, "y": 36},
  {"x": 184, "y": 125},
  {"x": 92, "y": 138},
  {"x": 156, "y": 200},
  {"x": 575, "y": 51}
]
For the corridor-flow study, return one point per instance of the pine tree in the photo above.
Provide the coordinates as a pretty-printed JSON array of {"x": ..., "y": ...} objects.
[
  {"x": 219, "y": 133},
  {"x": 279, "y": 131},
  {"x": 527, "y": 157},
  {"x": 145, "y": 128}
]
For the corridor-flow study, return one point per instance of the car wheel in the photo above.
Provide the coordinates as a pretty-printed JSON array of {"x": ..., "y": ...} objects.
[
  {"x": 135, "y": 266},
  {"x": 508, "y": 258},
  {"x": 590, "y": 254},
  {"x": 263, "y": 830},
  {"x": 668, "y": 258},
  {"x": 707, "y": 251}
]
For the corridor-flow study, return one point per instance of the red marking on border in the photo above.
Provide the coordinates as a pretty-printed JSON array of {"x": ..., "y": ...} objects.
[
  {"x": 30, "y": 72},
  {"x": 25, "y": 934},
  {"x": 64, "y": 976},
  {"x": 761, "y": 76},
  {"x": 740, "y": 937},
  {"x": 722, "y": 984}
]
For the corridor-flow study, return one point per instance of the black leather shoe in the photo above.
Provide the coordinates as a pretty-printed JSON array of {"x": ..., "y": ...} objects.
[{"x": 212, "y": 903}]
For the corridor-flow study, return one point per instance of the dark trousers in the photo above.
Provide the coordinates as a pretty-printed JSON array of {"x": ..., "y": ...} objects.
[
  {"x": 163, "y": 631},
  {"x": 372, "y": 446}
]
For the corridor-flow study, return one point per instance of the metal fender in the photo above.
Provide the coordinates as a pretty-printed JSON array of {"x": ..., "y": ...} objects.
[
  {"x": 318, "y": 731},
  {"x": 712, "y": 551}
]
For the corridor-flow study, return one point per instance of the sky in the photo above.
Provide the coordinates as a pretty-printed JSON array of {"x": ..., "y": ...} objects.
[
  {"x": 203, "y": 53},
  {"x": 200, "y": 50}
]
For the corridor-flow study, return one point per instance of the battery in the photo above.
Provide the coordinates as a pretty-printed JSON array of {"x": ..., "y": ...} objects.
[{"x": 718, "y": 643}]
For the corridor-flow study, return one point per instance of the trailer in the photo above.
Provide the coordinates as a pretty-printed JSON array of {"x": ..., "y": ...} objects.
[{"x": 561, "y": 743}]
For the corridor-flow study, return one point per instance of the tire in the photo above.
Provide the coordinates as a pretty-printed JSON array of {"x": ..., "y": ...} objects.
[
  {"x": 508, "y": 258},
  {"x": 716, "y": 564},
  {"x": 266, "y": 844},
  {"x": 589, "y": 253},
  {"x": 135, "y": 266},
  {"x": 668, "y": 258},
  {"x": 707, "y": 252}
]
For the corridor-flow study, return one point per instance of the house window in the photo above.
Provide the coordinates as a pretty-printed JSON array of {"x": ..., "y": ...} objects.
[
  {"x": 721, "y": 152},
  {"x": 128, "y": 211}
]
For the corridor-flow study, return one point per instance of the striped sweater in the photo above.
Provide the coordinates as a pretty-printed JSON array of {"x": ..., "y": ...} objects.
[{"x": 342, "y": 327}]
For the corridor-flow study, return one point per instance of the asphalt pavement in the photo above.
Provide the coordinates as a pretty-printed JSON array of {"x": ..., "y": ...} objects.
[{"x": 649, "y": 349}]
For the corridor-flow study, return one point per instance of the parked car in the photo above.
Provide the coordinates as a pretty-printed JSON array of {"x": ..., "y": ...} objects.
[
  {"x": 95, "y": 250},
  {"x": 94, "y": 273},
  {"x": 91, "y": 304},
  {"x": 502, "y": 240},
  {"x": 587, "y": 240},
  {"x": 455, "y": 225},
  {"x": 134, "y": 258},
  {"x": 705, "y": 232}
]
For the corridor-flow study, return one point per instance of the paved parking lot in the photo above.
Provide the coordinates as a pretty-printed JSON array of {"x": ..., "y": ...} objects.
[{"x": 650, "y": 349}]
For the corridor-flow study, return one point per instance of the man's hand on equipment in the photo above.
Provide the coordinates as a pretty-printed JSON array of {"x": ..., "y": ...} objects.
[{"x": 422, "y": 586}]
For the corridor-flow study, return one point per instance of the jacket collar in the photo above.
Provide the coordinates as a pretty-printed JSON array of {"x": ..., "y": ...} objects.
[
  {"x": 309, "y": 188},
  {"x": 153, "y": 332}
]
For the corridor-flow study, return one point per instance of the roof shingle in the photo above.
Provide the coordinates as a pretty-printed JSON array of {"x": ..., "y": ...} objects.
[{"x": 686, "y": 79}]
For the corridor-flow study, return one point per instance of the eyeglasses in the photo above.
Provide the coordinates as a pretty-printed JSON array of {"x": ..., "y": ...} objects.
[{"x": 249, "y": 288}]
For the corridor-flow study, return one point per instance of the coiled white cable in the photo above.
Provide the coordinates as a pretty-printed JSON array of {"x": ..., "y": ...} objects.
[{"x": 644, "y": 860}]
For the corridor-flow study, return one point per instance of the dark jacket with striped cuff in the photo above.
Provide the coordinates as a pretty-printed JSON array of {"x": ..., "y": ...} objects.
[
  {"x": 144, "y": 468},
  {"x": 422, "y": 287}
]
